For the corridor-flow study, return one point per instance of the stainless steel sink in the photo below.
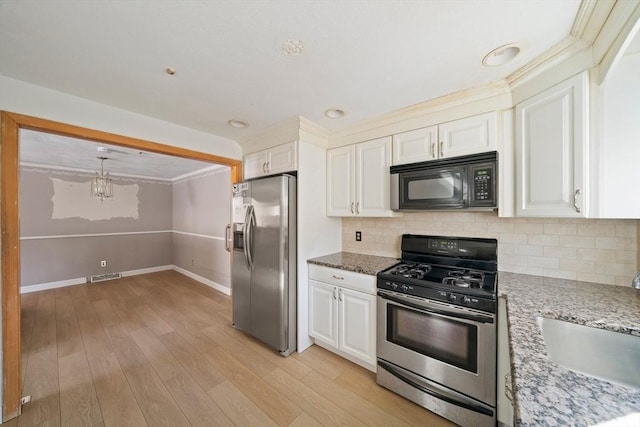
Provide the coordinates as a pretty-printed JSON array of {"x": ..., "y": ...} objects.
[{"x": 599, "y": 353}]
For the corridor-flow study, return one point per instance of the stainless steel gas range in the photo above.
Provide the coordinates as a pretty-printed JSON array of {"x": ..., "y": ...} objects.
[{"x": 436, "y": 335}]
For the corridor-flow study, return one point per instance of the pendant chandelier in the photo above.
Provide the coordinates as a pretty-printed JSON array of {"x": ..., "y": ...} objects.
[{"x": 101, "y": 184}]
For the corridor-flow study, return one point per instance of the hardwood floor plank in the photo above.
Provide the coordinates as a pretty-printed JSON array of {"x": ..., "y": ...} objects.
[
  {"x": 153, "y": 321},
  {"x": 274, "y": 403},
  {"x": 198, "y": 407},
  {"x": 78, "y": 401},
  {"x": 124, "y": 346},
  {"x": 28, "y": 313},
  {"x": 95, "y": 292},
  {"x": 238, "y": 407},
  {"x": 117, "y": 402},
  {"x": 326, "y": 365},
  {"x": 160, "y": 358},
  {"x": 363, "y": 383},
  {"x": 201, "y": 369},
  {"x": 361, "y": 408},
  {"x": 41, "y": 382},
  {"x": 305, "y": 420},
  {"x": 291, "y": 365},
  {"x": 93, "y": 337},
  {"x": 321, "y": 409},
  {"x": 128, "y": 316},
  {"x": 156, "y": 403},
  {"x": 81, "y": 303},
  {"x": 68, "y": 337},
  {"x": 106, "y": 313},
  {"x": 249, "y": 358}
]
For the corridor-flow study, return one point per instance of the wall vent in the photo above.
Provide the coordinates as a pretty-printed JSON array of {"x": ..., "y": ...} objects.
[{"x": 103, "y": 277}]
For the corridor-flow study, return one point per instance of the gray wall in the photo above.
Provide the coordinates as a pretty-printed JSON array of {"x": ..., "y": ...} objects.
[
  {"x": 50, "y": 253},
  {"x": 201, "y": 210}
]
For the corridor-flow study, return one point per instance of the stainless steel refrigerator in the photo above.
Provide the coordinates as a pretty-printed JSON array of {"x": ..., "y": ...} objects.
[{"x": 262, "y": 241}]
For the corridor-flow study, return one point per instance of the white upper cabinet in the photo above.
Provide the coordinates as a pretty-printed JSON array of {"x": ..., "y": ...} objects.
[
  {"x": 551, "y": 141},
  {"x": 415, "y": 146},
  {"x": 280, "y": 159},
  {"x": 358, "y": 179},
  {"x": 470, "y": 135}
]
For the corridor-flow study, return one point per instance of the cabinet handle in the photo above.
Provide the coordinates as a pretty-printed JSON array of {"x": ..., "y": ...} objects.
[
  {"x": 268, "y": 166},
  {"x": 334, "y": 293},
  {"x": 357, "y": 208},
  {"x": 227, "y": 237},
  {"x": 352, "y": 212},
  {"x": 433, "y": 149},
  {"x": 340, "y": 295},
  {"x": 441, "y": 148},
  {"x": 508, "y": 393},
  {"x": 264, "y": 167},
  {"x": 337, "y": 277},
  {"x": 575, "y": 200}
]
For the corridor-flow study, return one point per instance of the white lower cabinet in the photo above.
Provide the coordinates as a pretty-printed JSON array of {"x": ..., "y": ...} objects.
[{"x": 342, "y": 313}]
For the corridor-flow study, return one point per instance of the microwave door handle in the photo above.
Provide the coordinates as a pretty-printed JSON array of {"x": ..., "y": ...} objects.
[{"x": 436, "y": 309}]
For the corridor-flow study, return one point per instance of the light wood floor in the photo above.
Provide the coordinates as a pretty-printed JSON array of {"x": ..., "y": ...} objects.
[{"x": 159, "y": 350}]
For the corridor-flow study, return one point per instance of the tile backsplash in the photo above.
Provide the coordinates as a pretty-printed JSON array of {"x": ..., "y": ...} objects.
[{"x": 591, "y": 250}]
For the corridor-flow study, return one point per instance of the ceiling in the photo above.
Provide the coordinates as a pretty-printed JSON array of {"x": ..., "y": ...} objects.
[
  {"x": 43, "y": 150},
  {"x": 365, "y": 57}
]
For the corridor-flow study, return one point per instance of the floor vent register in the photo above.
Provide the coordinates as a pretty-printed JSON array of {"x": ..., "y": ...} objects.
[{"x": 103, "y": 277}]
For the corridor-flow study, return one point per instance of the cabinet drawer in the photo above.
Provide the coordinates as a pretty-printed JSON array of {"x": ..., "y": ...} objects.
[{"x": 345, "y": 279}]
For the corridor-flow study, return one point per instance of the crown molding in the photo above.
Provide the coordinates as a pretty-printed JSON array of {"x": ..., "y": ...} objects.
[
  {"x": 467, "y": 102},
  {"x": 590, "y": 19},
  {"x": 42, "y": 167},
  {"x": 285, "y": 131}
]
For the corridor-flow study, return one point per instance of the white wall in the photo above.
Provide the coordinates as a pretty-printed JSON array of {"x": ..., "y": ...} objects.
[{"x": 24, "y": 98}]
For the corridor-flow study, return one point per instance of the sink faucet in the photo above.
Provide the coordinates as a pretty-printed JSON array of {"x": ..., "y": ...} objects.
[{"x": 635, "y": 283}]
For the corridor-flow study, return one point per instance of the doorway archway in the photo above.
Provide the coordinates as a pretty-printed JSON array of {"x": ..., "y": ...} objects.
[{"x": 11, "y": 123}]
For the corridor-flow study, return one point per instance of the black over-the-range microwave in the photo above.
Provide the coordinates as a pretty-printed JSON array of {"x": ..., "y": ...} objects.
[{"x": 464, "y": 182}]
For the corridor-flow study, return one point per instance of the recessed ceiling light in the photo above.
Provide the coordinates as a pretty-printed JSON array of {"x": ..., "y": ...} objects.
[
  {"x": 293, "y": 47},
  {"x": 237, "y": 123},
  {"x": 501, "y": 55},
  {"x": 334, "y": 113},
  {"x": 170, "y": 71}
]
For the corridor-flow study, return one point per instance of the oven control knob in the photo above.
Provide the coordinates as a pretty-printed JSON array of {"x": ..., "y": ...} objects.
[
  {"x": 404, "y": 288},
  {"x": 465, "y": 300},
  {"x": 452, "y": 297},
  {"x": 394, "y": 285}
]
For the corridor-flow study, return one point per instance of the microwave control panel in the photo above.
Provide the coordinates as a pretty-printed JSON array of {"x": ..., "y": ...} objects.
[{"x": 484, "y": 184}]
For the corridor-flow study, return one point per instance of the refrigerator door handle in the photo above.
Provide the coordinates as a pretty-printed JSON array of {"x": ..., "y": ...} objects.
[
  {"x": 251, "y": 222},
  {"x": 227, "y": 237},
  {"x": 245, "y": 238}
]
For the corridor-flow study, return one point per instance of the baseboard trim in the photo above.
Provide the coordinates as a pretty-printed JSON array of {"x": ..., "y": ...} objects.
[
  {"x": 81, "y": 280},
  {"x": 52, "y": 285},
  {"x": 147, "y": 270},
  {"x": 210, "y": 283}
]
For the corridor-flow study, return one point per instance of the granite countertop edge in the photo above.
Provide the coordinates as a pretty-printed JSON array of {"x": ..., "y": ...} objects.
[{"x": 358, "y": 263}]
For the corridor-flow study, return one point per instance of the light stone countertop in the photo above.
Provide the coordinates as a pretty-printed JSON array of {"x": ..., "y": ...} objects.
[
  {"x": 547, "y": 394},
  {"x": 359, "y": 263}
]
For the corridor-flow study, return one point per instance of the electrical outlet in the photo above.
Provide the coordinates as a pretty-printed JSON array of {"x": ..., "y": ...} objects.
[
  {"x": 358, "y": 236},
  {"x": 103, "y": 263}
]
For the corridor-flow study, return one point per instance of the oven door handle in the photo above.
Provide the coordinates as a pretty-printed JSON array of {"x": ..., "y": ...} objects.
[
  {"x": 433, "y": 308},
  {"x": 425, "y": 388}
]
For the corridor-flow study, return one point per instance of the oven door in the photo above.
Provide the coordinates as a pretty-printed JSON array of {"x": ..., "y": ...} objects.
[
  {"x": 450, "y": 345},
  {"x": 437, "y": 188}
]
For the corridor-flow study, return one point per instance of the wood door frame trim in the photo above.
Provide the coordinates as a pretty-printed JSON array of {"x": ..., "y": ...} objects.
[{"x": 10, "y": 124}]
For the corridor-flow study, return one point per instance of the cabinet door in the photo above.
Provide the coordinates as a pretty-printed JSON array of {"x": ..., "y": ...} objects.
[
  {"x": 341, "y": 177},
  {"x": 373, "y": 159},
  {"x": 468, "y": 136},
  {"x": 255, "y": 164},
  {"x": 323, "y": 315},
  {"x": 415, "y": 146},
  {"x": 282, "y": 158},
  {"x": 357, "y": 314},
  {"x": 550, "y": 151}
]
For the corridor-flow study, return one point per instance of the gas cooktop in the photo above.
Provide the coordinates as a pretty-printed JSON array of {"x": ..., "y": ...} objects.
[{"x": 456, "y": 270}]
